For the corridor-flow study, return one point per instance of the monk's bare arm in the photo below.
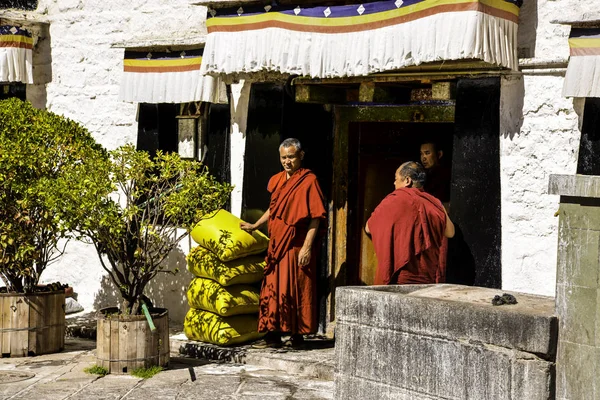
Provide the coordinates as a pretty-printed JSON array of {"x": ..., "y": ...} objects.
[
  {"x": 367, "y": 230},
  {"x": 248, "y": 227},
  {"x": 449, "y": 232},
  {"x": 305, "y": 251}
]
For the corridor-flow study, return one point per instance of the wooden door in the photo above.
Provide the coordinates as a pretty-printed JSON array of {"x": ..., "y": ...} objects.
[{"x": 376, "y": 180}]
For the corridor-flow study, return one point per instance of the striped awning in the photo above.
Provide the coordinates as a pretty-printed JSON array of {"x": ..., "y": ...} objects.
[
  {"x": 168, "y": 77},
  {"x": 360, "y": 39},
  {"x": 16, "y": 53},
  {"x": 583, "y": 73}
]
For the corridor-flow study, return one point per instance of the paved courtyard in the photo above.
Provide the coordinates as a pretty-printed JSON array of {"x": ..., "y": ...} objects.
[{"x": 62, "y": 376}]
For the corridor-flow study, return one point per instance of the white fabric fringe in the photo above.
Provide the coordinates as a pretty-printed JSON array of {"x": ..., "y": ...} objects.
[
  {"x": 171, "y": 87},
  {"x": 583, "y": 77},
  {"x": 16, "y": 65},
  {"x": 447, "y": 36}
]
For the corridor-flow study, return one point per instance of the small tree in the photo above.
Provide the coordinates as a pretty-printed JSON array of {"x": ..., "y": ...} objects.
[
  {"x": 136, "y": 227},
  {"x": 44, "y": 159}
]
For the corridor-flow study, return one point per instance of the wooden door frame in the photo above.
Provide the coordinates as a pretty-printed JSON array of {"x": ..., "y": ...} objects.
[{"x": 338, "y": 207}]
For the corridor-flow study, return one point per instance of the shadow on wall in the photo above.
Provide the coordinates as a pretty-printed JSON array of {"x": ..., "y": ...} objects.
[
  {"x": 528, "y": 22},
  {"x": 42, "y": 64},
  {"x": 512, "y": 100},
  {"x": 169, "y": 290},
  {"x": 166, "y": 290}
]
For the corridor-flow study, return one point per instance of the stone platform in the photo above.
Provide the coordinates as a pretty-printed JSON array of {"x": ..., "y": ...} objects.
[{"x": 443, "y": 342}]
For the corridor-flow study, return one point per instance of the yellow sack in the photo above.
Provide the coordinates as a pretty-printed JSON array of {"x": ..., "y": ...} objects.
[
  {"x": 208, "y": 295},
  {"x": 205, "y": 264},
  {"x": 220, "y": 232},
  {"x": 223, "y": 331}
]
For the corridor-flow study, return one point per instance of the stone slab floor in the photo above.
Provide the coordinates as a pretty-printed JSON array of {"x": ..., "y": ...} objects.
[{"x": 61, "y": 376}]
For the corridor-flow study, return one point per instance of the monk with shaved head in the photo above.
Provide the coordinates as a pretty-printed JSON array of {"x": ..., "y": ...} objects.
[{"x": 288, "y": 293}]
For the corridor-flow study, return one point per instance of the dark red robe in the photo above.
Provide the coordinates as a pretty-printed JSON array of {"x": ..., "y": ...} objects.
[
  {"x": 288, "y": 293},
  {"x": 407, "y": 229}
]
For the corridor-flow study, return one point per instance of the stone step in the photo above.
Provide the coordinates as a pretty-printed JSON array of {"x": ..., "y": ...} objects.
[{"x": 315, "y": 360}]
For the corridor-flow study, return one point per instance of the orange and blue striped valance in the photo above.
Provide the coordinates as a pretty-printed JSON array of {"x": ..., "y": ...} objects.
[
  {"x": 585, "y": 41},
  {"x": 350, "y": 18},
  {"x": 359, "y": 39},
  {"x": 160, "y": 62},
  {"x": 16, "y": 54},
  {"x": 168, "y": 77},
  {"x": 583, "y": 73}
]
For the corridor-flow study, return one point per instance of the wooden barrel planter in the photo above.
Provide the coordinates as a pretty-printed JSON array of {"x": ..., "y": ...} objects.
[
  {"x": 32, "y": 324},
  {"x": 125, "y": 342}
]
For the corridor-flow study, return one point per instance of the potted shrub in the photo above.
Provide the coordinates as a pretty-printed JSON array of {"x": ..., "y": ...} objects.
[
  {"x": 44, "y": 160},
  {"x": 155, "y": 203}
]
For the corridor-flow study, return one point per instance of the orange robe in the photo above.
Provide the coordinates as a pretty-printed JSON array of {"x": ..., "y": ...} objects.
[
  {"x": 288, "y": 293},
  {"x": 407, "y": 229}
]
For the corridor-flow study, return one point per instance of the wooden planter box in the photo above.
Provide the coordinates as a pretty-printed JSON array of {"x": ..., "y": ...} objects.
[
  {"x": 125, "y": 342},
  {"x": 32, "y": 324}
]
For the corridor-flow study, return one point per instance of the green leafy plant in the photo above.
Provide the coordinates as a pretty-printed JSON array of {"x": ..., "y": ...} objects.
[
  {"x": 147, "y": 373},
  {"x": 96, "y": 370},
  {"x": 44, "y": 162},
  {"x": 155, "y": 203}
]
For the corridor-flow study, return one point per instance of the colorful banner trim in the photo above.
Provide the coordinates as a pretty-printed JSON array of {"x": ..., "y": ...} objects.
[
  {"x": 12, "y": 36},
  {"x": 352, "y": 18},
  {"x": 585, "y": 41},
  {"x": 161, "y": 62}
]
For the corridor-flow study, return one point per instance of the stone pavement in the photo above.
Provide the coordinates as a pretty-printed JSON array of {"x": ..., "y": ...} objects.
[
  {"x": 197, "y": 371},
  {"x": 62, "y": 376}
]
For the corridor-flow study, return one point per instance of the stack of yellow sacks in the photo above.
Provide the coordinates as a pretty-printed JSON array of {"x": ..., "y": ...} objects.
[{"x": 224, "y": 295}]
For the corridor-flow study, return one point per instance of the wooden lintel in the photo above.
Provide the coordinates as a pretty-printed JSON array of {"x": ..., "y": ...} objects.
[
  {"x": 320, "y": 94},
  {"x": 443, "y": 90},
  {"x": 371, "y": 92}
]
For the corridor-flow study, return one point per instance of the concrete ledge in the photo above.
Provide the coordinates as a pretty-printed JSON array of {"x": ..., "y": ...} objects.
[
  {"x": 442, "y": 342},
  {"x": 455, "y": 312},
  {"x": 574, "y": 185}
]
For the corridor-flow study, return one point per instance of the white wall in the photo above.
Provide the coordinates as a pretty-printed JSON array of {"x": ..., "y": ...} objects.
[
  {"x": 539, "y": 136},
  {"x": 86, "y": 73}
]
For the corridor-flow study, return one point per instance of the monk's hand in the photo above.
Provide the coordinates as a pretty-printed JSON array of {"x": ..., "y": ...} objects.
[
  {"x": 247, "y": 226},
  {"x": 304, "y": 256}
]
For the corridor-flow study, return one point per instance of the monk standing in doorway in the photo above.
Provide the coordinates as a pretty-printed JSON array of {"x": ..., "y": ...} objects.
[
  {"x": 438, "y": 175},
  {"x": 408, "y": 228},
  {"x": 288, "y": 293}
]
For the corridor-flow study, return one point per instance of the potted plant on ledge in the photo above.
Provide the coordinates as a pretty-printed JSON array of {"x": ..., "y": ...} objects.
[
  {"x": 153, "y": 204},
  {"x": 44, "y": 161}
]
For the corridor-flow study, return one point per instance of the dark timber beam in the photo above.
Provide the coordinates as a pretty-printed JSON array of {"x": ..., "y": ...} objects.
[
  {"x": 370, "y": 92},
  {"x": 320, "y": 94}
]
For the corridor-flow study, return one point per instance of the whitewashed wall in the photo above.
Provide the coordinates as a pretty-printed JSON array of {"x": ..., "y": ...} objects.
[
  {"x": 86, "y": 73},
  {"x": 539, "y": 132},
  {"x": 539, "y": 136}
]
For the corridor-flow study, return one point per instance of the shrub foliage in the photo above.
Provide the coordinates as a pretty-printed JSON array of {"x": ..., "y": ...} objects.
[
  {"x": 44, "y": 161},
  {"x": 155, "y": 203}
]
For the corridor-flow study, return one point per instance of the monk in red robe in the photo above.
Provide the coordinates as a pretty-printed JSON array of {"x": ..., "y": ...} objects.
[
  {"x": 288, "y": 293},
  {"x": 407, "y": 229}
]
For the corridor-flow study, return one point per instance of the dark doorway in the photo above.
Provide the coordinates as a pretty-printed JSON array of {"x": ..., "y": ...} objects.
[
  {"x": 273, "y": 115},
  {"x": 263, "y": 136},
  {"x": 9, "y": 90},
  {"x": 376, "y": 150},
  {"x": 217, "y": 157},
  {"x": 475, "y": 253},
  {"x": 588, "y": 162},
  {"x": 157, "y": 127}
]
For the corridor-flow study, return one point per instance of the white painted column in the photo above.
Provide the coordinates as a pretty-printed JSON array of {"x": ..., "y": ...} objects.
[{"x": 240, "y": 97}]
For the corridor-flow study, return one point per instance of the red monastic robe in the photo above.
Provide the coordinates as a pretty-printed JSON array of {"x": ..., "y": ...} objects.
[
  {"x": 288, "y": 293},
  {"x": 407, "y": 229}
]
